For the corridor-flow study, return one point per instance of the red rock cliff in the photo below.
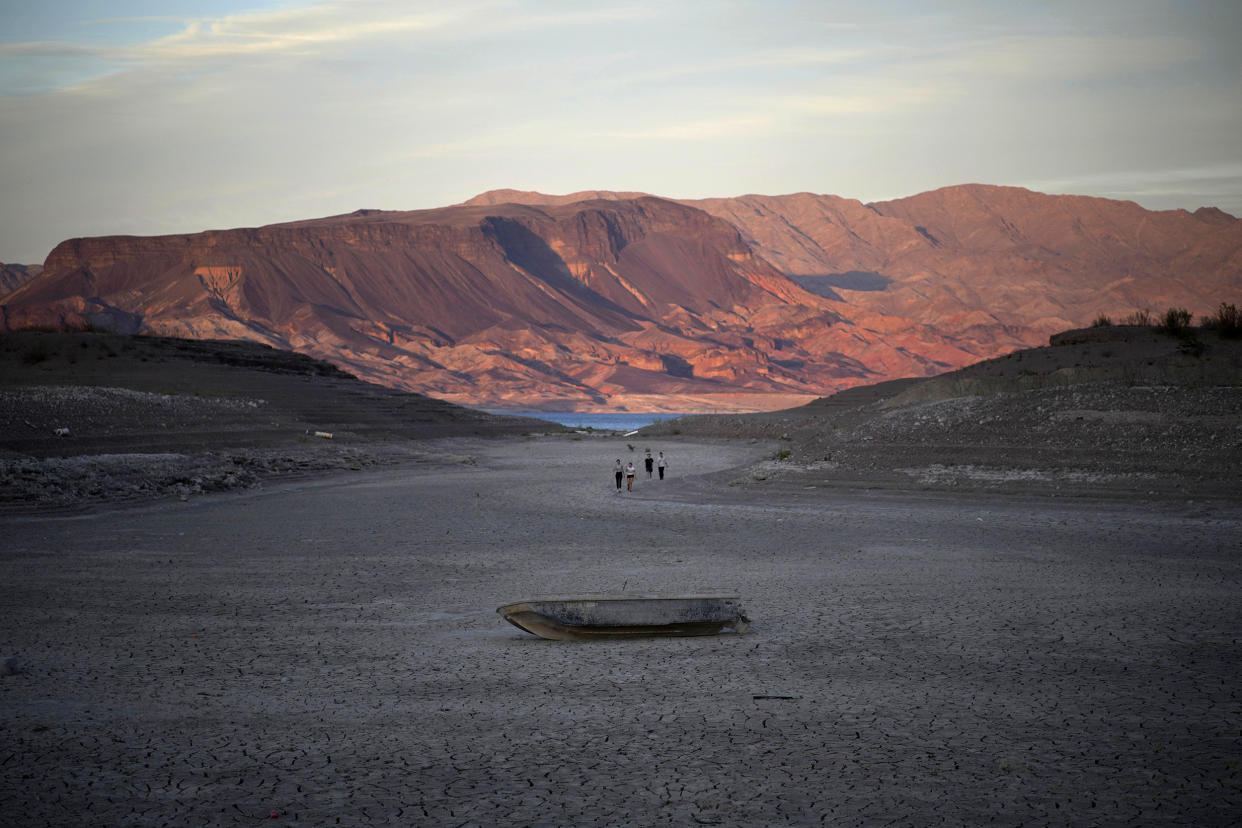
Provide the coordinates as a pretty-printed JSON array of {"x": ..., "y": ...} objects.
[{"x": 621, "y": 300}]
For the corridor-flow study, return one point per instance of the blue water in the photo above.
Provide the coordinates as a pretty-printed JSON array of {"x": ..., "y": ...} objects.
[{"x": 607, "y": 421}]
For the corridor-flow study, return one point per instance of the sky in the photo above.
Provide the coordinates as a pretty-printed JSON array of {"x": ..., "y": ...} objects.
[{"x": 148, "y": 117}]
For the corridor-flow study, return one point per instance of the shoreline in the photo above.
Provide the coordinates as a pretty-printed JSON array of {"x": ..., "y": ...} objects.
[{"x": 79, "y": 483}]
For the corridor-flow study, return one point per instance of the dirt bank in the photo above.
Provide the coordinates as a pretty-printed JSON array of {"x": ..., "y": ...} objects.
[{"x": 1133, "y": 414}]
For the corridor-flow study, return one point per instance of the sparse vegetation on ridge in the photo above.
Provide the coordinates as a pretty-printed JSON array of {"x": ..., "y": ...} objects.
[
  {"x": 1139, "y": 318},
  {"x": 1227, "y": 321},
  {"x": 1176, "y": 321}
]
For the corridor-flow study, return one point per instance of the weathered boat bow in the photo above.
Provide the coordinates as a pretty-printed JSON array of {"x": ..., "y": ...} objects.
[{"x": 599, "y": 616}]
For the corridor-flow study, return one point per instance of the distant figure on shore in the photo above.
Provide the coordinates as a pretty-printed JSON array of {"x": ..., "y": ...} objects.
[
  {"x": 662, "y": 463},
  {"x": 629, "y": 476},
  {"x": 648, "y": 462},
  {"x": 618, "y": 470}
]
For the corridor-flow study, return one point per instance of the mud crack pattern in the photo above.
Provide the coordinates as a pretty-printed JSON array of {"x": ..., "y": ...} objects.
[{"x": 328, "y": 652}]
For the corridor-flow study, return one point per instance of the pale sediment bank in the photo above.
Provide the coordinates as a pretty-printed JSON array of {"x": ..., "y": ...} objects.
[{"x": 327, "y": 648}]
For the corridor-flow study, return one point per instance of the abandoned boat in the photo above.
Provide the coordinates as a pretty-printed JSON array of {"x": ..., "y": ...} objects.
[{"x": 598, "y": 616}]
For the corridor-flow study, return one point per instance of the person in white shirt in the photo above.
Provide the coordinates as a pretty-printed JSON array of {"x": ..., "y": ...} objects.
[
  {"x": 661, "y": 464},
  {"x": 629, "y": 476},
  {"x": 618, "y": 470}
]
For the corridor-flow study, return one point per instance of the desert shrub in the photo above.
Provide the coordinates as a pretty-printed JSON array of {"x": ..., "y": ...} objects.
[
  {"x": 1138, "y": 317},
  {"x": 34, "y": 355},
  {"x": 1102, "y": 321},
  {"x": 1175, "y": 320},
  {"x": 784, "y": 454},
  {"x": 1227, "y": 321}
]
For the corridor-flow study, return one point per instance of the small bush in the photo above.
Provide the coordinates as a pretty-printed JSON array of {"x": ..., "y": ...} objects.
[
  {"x": 1139, "y": 317},
  {"x": 34, "y": 355},
  {"x": 784, "y": 454},
  {"x": 1227, "y": 321},
  {"x": 1102, "y": 321},
  {"x": 1175, "y": 320}
]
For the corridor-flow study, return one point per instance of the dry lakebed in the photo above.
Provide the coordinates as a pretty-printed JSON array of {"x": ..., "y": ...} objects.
[{"x": 325, "y": 650}]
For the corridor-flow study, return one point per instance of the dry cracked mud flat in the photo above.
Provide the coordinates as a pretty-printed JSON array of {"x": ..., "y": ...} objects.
[{"x": 326, "y": 651}]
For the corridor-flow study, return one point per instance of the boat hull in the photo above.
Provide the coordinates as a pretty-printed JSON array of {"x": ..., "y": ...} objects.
[{"x": 591, "y": 617}]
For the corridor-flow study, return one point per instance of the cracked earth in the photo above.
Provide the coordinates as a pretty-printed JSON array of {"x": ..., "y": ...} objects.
[{"x": 326, "y": 652}]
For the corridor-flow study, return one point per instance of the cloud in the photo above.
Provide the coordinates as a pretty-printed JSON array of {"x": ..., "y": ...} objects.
[
  {"x": 1209, "y": 185},
  {"x": 301, "y": 30},
  {"x": 317, "y": 30},
  {"x": 868, "y": 98},
  {"x": 535, "y": 135},
  {"x": 1053, "y": 56},
  {"x": 690, "y": 130},
  {"x": 48, "y": 49}
]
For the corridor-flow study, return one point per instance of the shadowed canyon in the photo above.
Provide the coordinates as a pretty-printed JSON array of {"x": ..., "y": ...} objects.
[{"x": 602, "y": 300}]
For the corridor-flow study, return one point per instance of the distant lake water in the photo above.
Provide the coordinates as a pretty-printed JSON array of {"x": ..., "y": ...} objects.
[{"x": 605, "y": 421}]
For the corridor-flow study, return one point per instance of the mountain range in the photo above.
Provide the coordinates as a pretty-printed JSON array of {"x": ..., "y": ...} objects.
[{"x": 606, "y": 300}]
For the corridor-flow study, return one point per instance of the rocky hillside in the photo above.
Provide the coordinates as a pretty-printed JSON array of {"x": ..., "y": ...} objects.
[
  {"x": 1128, "y": 410},
  {"x": 642, "y": 303},
  {"x": 625, "y": 301},
  {"x": 96, "y": 416},
  {"x": 13, "y": 276}
]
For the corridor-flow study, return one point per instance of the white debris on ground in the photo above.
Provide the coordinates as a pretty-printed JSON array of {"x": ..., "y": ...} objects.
[
  {"x": 940, "y": 475},
  {"x": 1108, "y": 434},
  {"x": 53, "y": 482},
  {"x": 94, "y": 412},
  {"x": 100, "y": 409}
]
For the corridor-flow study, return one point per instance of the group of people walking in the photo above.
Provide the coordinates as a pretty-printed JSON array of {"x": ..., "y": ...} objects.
[{"x": 628, "y": 471}]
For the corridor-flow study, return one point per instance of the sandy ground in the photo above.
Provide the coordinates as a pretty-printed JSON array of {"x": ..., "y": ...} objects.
[{"x": 326, "y": 651}]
